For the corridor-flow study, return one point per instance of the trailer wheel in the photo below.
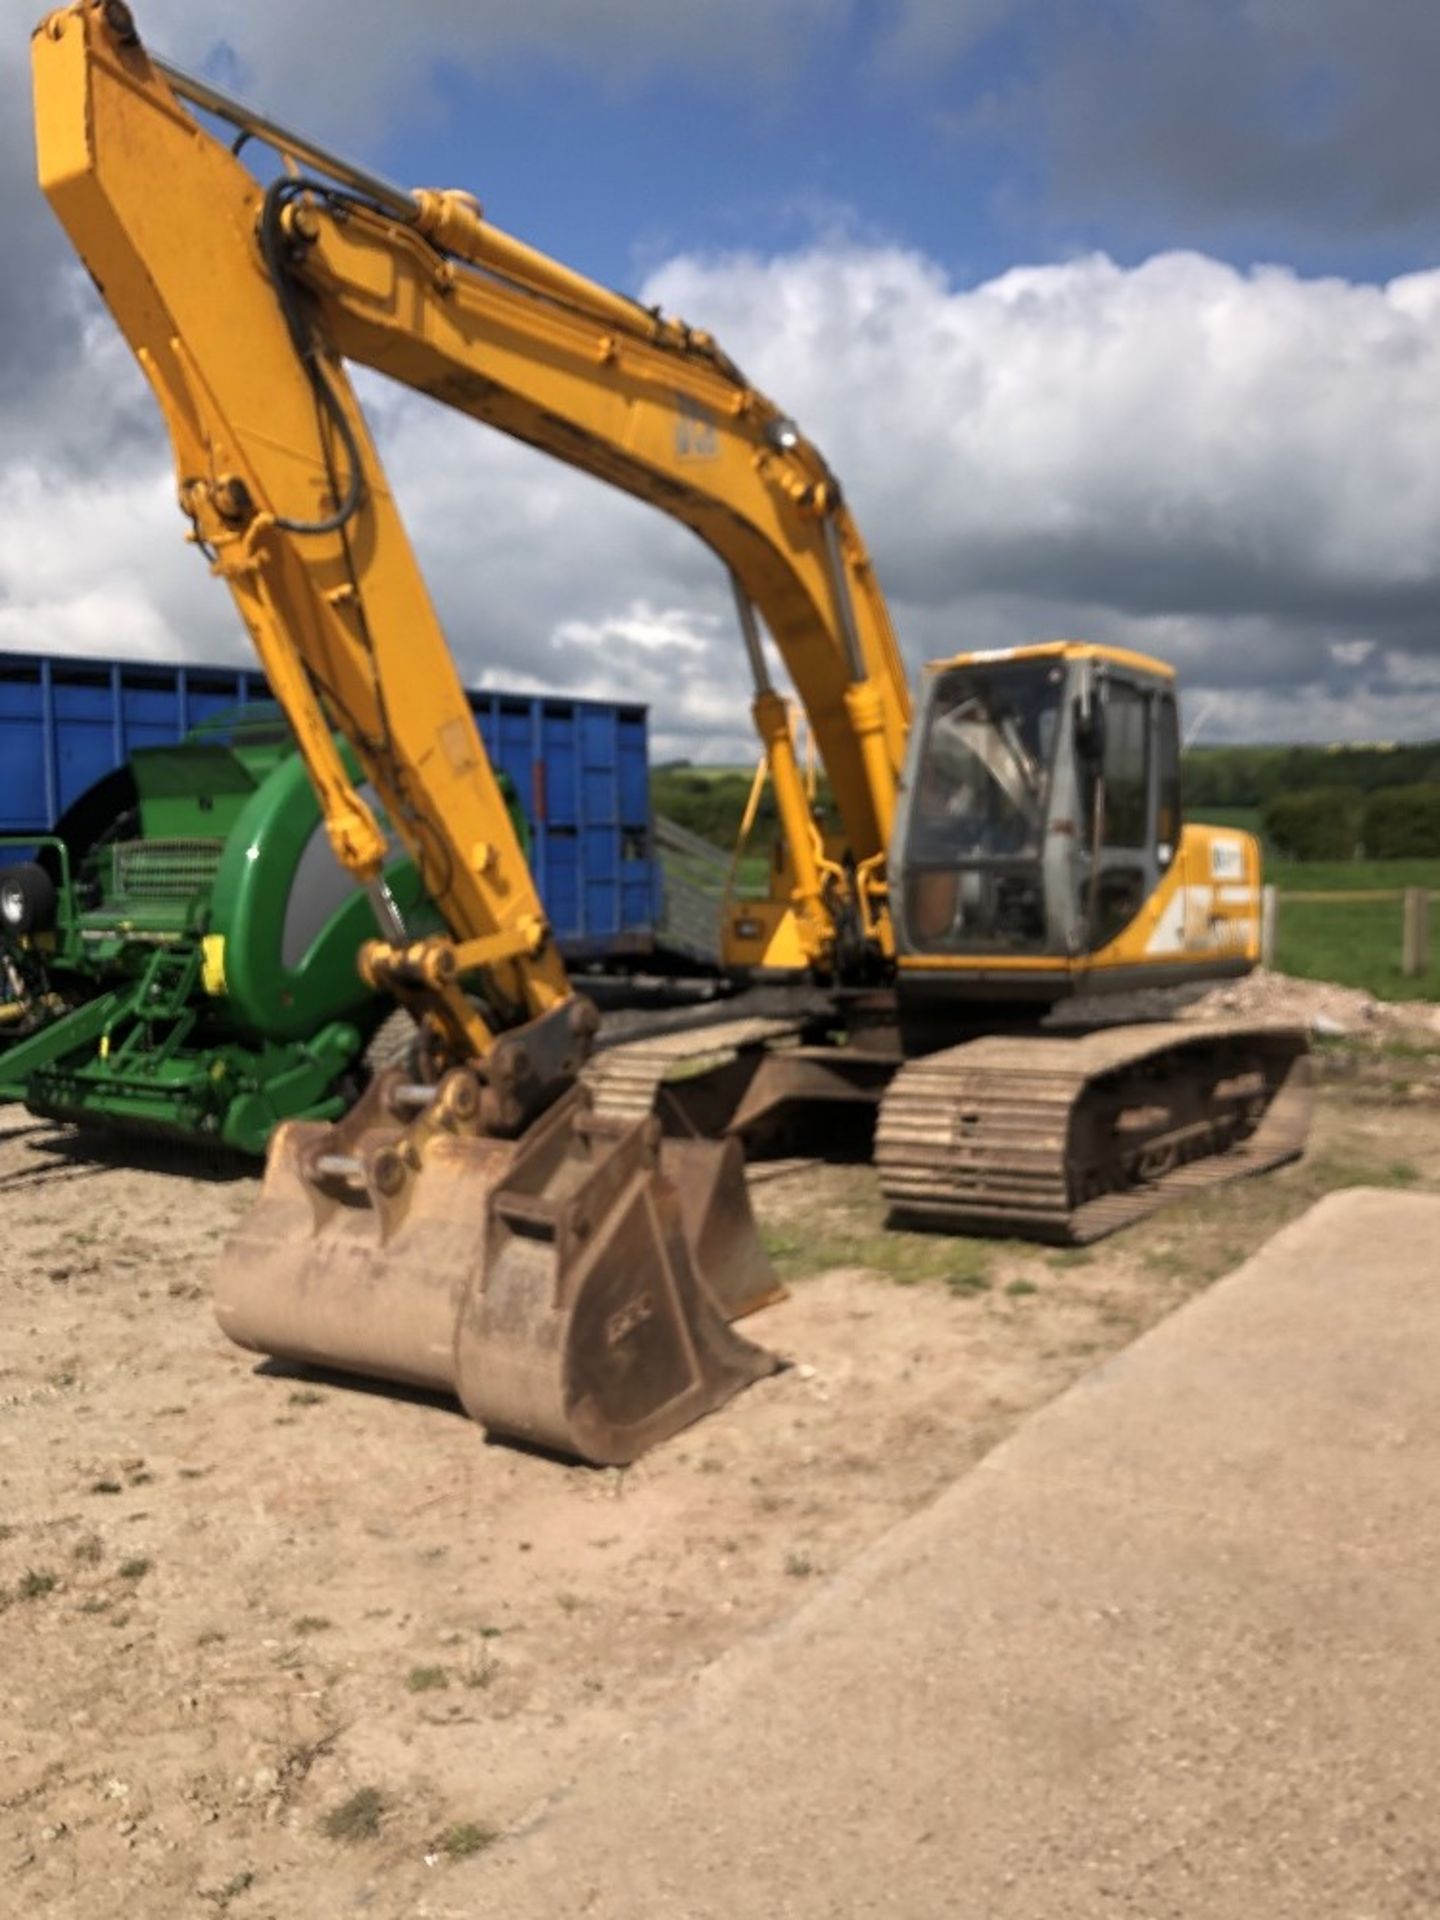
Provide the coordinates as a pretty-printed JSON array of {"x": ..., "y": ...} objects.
[{"x": 27, "y": 898}]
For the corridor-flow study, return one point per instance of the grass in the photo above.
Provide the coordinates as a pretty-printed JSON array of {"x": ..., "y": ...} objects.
[
  {"x": 1200, "y": 1240},
  {"x": 135, "y": 1569},
  {"x": 312, "y": 1623},
  {"x": 357, "y": 1818},
  {"x": 35, "y": 1585},
  {"x": 847, "y": 1236},
  {"x": 1356, "y": 946},
  {"x": 1350, "y": 876},
  {"x": 427, "y": 1679},
  {"x": 465, "y": 1838},
  {"x": 1066, "y": 1257}
]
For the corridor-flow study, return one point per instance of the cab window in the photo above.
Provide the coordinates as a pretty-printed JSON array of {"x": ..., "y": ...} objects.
[
  {"x": 1167, "y": 732},
  {"x": 1127, "y": 767}
]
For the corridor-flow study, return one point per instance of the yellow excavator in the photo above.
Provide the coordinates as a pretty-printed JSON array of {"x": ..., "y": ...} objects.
[{"x": 558, "y": 1235}]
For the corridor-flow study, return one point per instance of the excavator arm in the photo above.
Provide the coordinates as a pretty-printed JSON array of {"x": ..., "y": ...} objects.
[
  {"x": 481, "y": 1229},
  {"x": 243, "y": 302}
]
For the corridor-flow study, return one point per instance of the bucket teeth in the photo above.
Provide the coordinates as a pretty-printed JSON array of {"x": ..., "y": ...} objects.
[{"x": 573, "y": 1288}]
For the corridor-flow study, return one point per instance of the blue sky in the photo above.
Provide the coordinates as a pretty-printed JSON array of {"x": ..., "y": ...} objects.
[
  {"x": 1117, "y": 318},
  {"x": 962, "y": 156}
]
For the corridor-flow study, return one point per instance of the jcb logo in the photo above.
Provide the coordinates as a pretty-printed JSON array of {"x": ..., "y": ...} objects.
[{"x": 695, "y": 435}]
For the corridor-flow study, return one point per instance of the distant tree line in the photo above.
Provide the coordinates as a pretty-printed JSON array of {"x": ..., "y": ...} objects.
[
  {"x": 1249, "y": 776},
  {"x": 1316, "y": 803},
  {"x": 1340, "y": 823},
  {"x": 1328, "y": 803}
]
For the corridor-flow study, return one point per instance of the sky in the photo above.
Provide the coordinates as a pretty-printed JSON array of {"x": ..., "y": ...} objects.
[{"x": 1118, "y": 319}]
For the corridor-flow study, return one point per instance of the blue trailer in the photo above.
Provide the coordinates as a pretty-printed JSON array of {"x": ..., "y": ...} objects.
[{"x": 580, "y": 768}]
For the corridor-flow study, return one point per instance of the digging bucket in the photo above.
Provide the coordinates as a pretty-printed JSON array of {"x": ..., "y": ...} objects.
[{"x": 556, "y": 1284}]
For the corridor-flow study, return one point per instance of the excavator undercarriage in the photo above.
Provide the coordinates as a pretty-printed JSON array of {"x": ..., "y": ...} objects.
[{"x": 1054, "y": 1136}]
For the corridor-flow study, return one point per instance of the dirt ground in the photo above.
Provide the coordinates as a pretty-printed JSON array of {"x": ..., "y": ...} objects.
[{"x": 277, "y": 1644}]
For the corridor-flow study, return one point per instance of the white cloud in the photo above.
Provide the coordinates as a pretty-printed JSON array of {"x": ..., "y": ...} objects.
[
  {"x": 1194, "y": 437},
  {"x": 668, "y": 631},
  {"x": 1240, "y": 472}
]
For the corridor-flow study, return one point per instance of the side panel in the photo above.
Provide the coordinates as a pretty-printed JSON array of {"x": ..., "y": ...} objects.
[
  {"x": 66, "y": 722},
  {"x": 580, "y": 767}
]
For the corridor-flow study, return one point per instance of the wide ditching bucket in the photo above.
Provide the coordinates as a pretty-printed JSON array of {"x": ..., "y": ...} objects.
[{"x": 573, "y": 1288}]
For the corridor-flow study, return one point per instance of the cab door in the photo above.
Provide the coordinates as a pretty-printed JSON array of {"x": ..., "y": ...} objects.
[{"x": 1132, "y": 805}]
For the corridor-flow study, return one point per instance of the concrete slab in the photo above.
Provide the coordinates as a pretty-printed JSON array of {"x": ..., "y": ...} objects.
[{"x": 1172, "y": 1650}]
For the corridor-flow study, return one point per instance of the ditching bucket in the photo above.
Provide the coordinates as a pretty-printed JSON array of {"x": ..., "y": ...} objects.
[{"x": 556, "y": 1284}]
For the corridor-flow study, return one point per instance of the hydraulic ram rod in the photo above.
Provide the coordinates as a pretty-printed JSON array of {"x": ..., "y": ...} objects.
[{"x": 200, "y": 93}]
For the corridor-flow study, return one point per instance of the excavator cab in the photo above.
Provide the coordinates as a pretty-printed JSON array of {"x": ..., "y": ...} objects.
[{"x": 1038, "y": 840}]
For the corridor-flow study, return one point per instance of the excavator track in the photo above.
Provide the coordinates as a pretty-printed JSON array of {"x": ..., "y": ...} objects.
[
  {"x": 626, "y": 1081},
  {"x": 1068, "y": 1139}
]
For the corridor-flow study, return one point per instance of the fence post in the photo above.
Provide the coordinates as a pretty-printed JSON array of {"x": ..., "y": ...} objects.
[
  {"x": 1415, "y": 949},
  {"x": 1269, "y": 924}
]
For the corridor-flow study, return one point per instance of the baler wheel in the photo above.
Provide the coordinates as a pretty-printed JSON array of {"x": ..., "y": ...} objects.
[{"x": 27, "y": 898}]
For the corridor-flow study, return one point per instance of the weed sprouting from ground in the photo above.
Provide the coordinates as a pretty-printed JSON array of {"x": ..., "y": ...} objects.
[
  {"x": 427, "y": 1679},
  {"x": 36, "y": 1584},
  {"x": 357, "y": 1818},
  {"x": 465, "y": 1838},
  {"x": 481, "y": 1673},
  {"x": 1066, "y": 1257}
]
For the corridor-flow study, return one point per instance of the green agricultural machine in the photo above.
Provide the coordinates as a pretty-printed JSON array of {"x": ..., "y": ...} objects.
[{"x": 179, "y": 956}]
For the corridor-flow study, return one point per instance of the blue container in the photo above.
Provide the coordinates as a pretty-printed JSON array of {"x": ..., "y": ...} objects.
[{"x": 580, "y": 767}]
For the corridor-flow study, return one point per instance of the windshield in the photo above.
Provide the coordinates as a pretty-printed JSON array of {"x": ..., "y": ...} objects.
[
  {"x": 973, "y": 865},
  {"x": 984, "y": 772}
]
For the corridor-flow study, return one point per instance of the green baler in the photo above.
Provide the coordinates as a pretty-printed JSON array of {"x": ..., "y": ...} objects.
[{"x": 181, "y": 953}]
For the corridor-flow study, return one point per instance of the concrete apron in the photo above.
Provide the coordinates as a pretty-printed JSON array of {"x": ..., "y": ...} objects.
[{"x": 1172, "y": 1650}]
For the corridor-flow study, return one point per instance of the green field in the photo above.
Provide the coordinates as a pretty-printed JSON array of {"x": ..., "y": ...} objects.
[{"x": 1359, "y": 945}]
